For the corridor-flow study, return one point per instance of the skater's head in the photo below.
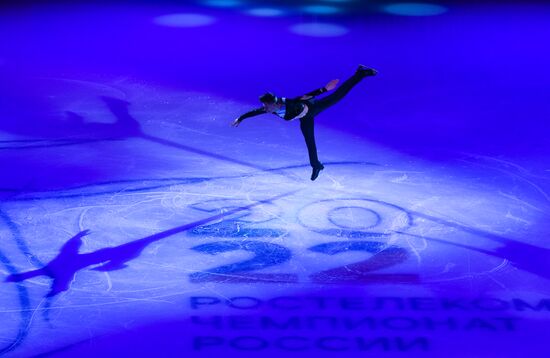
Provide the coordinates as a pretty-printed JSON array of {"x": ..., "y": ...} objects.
[{"x": 270, "y": 102}]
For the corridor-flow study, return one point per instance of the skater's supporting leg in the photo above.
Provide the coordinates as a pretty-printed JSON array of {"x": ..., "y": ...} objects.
[{"x": 306, "y": 125}]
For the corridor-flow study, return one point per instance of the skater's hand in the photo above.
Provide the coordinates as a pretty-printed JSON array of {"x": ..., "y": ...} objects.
[
  {"x": 236, "y": 123},
  {"x": 332, "y": 85}
]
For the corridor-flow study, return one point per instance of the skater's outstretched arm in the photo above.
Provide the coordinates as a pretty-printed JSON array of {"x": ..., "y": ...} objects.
[
  {"x": 329, "y": 86},
  {"x": 252, "y": 113}
]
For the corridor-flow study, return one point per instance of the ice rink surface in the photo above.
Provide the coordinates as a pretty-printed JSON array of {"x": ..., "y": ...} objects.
[{"x": 135, "y": 221}]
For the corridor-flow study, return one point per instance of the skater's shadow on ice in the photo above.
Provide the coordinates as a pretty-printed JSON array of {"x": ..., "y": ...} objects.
[
  {"x": 523, "y": 256},
  {"x": 79, "y": 130},
  {"x": 74, "y": 128},
  {"x": 69, "y": 261}
]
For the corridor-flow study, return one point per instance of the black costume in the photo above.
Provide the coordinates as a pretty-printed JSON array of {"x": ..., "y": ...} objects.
[{"x": 295, "y": 107}]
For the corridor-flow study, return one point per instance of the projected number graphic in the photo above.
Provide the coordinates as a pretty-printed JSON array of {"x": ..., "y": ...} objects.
[
  {"x": 347, "y": 218},
  {"x": 266, "y": 255},
  {"x": 359, "y": 272}
]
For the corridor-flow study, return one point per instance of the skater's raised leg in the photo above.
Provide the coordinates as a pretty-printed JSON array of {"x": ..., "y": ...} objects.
[{"x": 343, "y": 90}]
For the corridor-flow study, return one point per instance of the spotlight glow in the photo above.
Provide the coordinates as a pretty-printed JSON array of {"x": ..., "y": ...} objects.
[
  {"x": 265, "y": 12},
  {"x": 321, "y": 9},
  {"x": 414, "y": 9},
  {"x": 319, "y": 30},
  {"x": 184, "y": 20},
  {"x": 223, "y": 3}
]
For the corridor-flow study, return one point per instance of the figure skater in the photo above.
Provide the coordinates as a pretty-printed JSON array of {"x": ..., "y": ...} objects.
[{"x": 305, "y": 108}]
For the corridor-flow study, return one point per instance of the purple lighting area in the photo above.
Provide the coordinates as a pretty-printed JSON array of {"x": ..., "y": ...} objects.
[{"x": 274, "y": 179}]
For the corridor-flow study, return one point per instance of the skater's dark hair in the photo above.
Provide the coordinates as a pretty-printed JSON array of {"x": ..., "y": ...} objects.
[{"x": 268, "y": 98}]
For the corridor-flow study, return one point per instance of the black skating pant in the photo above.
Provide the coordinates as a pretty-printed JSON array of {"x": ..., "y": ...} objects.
[{"x": 316, "y": 107}]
